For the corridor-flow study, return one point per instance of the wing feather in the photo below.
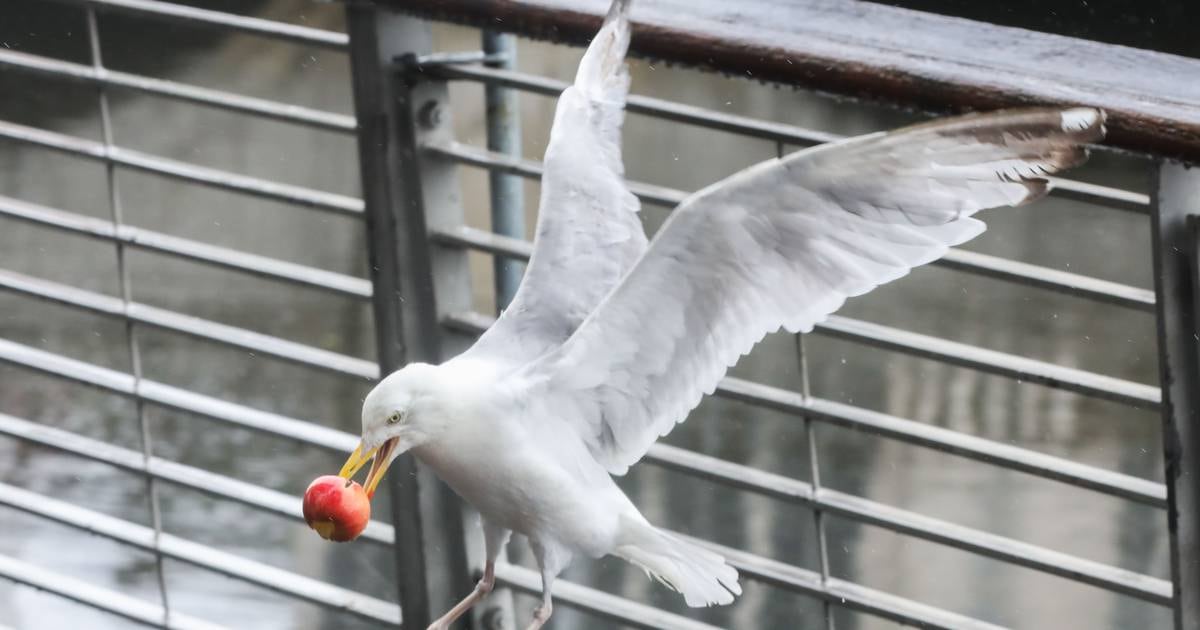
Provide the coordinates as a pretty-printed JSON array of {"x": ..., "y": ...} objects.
[
  {"x": 783, "y": 244},
  {"x": 588, "y": 233}
]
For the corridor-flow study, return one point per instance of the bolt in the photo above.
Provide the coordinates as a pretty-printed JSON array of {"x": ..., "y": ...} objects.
[{"x": 430, "y": 115}]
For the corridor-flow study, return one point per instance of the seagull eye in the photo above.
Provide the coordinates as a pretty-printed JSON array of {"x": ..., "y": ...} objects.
[{"x": 394, "y": 418}]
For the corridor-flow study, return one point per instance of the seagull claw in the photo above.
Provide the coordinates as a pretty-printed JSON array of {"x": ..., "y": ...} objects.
[{"x": 540, "y": 617}]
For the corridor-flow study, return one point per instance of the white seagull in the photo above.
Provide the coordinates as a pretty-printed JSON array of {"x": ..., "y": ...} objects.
[{"x": 611, "y": 341}]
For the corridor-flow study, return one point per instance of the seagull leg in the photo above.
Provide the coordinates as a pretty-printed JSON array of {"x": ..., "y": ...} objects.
[
  {"x": 551, "y": 558},
  {"x": 494, "y": 539},
  {"x": 542, "y": 614}
]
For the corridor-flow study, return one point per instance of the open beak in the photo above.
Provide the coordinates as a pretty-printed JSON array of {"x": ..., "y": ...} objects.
[{"x": 380, "y": 458}]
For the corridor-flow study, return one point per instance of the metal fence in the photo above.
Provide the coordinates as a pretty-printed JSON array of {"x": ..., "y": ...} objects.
[{"x": 420, "y": 294}]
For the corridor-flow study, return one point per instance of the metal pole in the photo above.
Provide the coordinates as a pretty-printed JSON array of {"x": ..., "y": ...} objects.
[
  {"x": 125, "y": 285},
  {"x": 1176, "y": 274},
  {"x": 394, "y": 112},
  {"x": 504, "y": 136}
]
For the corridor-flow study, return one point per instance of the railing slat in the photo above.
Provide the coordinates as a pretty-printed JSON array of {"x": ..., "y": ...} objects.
[
  {"x": 184, "y": 14},
  {"x": 841, "y": 592},
  {"x": 11, "y": 60},
  {"x": 188, "y": 325},
  {"x": 993, "y": 361},
  {"x": 97, "y": 597},
  {"x": 177, "y": 398},
  {"x": 186, "y": 249},
  {"x": 191, "y": 173},
  {"x": 597, "y": 602},
  {"x": 203, "y": 556}
]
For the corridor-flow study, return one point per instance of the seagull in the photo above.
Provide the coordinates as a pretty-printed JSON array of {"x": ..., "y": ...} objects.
[{"x": 611, "y": 340}]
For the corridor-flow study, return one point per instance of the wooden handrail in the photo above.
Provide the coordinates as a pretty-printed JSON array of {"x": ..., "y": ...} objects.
[{"x": 877, "y": 52}]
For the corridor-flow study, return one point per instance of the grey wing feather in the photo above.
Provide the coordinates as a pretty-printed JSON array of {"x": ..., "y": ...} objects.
[
  {"x": 588, "y": 232},
  {"x": 783, "y": 244}
]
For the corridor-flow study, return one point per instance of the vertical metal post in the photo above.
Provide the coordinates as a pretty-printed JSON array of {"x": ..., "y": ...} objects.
[
  {"x": 814, "y": 461},
  {"x": 504, "y": 136},
  {"x": 1176, "y": 196},
  {"x": 414, "y": 282},
  {"x": 125, "y": 285}
]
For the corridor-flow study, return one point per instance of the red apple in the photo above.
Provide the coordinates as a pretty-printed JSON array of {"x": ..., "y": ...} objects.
[{"x": 336, "y": 507}]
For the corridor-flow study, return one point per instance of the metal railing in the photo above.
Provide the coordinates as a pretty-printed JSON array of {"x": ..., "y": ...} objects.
[{"x": 418, "y": 243}]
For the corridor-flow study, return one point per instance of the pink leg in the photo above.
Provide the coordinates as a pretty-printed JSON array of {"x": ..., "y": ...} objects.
[
  {"x": 481, "y": 591},
  {"x": 542, "y": 614}
]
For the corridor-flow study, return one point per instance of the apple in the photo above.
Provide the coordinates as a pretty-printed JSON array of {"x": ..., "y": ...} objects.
[{"x": 337, "y": 508}]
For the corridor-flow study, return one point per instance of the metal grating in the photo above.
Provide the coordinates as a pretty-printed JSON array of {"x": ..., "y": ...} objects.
[{"x": 809, "y": 410}]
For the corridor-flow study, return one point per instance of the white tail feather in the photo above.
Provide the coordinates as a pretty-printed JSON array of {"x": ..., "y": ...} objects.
[{"x": 701, "y": 576}]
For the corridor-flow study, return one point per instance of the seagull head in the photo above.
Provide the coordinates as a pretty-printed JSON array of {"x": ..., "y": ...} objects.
[{"x": 400, "y": 413}]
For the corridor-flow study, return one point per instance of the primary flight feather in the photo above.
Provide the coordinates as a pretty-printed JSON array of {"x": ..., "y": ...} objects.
[{"x": 610, "y": 342}]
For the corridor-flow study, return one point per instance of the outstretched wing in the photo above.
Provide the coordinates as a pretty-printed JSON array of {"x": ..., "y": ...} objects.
[
  {"x": 588, "y": 232},
  {"x": 784, "y": 243}
]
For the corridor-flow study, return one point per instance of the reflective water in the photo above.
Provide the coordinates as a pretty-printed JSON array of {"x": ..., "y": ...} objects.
[{"x": 1060, "y": 234}]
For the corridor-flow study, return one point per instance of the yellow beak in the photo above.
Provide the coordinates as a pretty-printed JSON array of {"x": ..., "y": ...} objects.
[{"x": 380, "y": 455}]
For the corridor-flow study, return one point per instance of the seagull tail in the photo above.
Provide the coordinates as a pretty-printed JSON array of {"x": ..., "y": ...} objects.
[
  {"x": 602, "y": 75},
  {"x": 701, "y": 576}
]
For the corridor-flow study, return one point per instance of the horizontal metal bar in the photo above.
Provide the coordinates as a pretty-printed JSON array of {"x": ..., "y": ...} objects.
[
  {"x": 189, "y": 477},
  {"x": 755, "y": 128},
  {"x": 45, "y": 66},
  {"x": 203, "y": 556},
  {"x": 176, "y": 398},
  {"x": 110, "y": 601},
  {"x": 994, "y": 362},
  {"x": 597, "y": 602},
  {"x": 1050, "y": 279},
  {"x": 532, "y": 169},
  {"x": 657, "y": 107},
  {"x": 203, "y": 175},
  {"x": 971, "y": 262},
  {"x": 179, "y": 13},
  {"x": 913, "y": 524},
  {"x": 842, "y": 592},
  {"x": 206, "y": 330},
  {"x": 186, "y": 249},
  {"x": 919, "y": 433}
]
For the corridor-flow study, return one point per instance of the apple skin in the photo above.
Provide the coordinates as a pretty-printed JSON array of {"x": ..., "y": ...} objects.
[{"x": 336, "y": 508}]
